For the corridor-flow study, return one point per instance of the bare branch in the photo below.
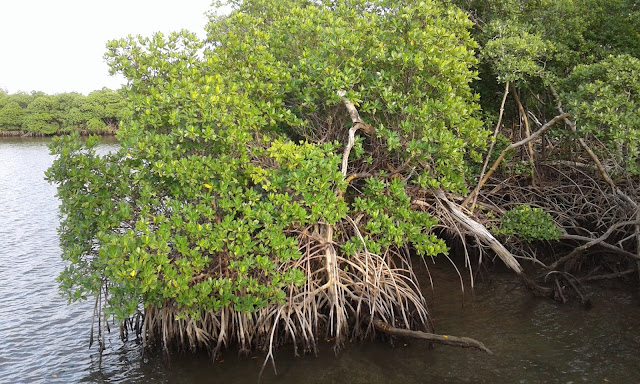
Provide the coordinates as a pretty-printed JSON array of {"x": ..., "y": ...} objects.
[
  {"x": 474, "y": 193},
  {"x": 523, "y": 115},
  {"x": 516, "y": 145},
  {"x": 465, "y": 342},
  {"x": 357, "y": 124},
  {"x": 478, "y": 230}
]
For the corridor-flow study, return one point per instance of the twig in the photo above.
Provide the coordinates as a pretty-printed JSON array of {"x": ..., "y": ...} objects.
[
  {"x": 564, "y": 299},
  {"x": 594, "y": 157},
  {"x": 527, "y": 131},
  {"x": 575, "y": 164}
]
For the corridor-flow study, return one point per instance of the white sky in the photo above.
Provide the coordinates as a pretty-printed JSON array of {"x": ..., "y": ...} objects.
[{"x": 57, "y": 46}]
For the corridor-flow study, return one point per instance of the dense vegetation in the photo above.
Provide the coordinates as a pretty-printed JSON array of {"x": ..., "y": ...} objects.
[
  {"x": 275, "y": 179},
  {"x": 540, "y": 59},
  {"x": 40, "y": 114}
]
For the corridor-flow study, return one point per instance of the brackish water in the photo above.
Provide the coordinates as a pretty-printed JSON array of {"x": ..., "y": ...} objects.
[{"x": 42, "y": 340}]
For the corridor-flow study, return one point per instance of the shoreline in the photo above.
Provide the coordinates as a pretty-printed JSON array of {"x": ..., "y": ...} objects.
[{"x": 30, "y": 134}]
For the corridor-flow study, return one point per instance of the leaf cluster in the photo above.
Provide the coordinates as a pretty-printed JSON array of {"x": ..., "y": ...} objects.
[
  {"x": 528, "y": 224},
  {"x": 605, "y": 98}
]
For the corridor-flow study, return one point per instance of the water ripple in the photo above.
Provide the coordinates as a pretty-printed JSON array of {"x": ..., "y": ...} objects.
[{"x": 40, "y": 334}]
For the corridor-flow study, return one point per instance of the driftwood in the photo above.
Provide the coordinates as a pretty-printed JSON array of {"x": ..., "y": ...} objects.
[{"x": 465, "y": 342}]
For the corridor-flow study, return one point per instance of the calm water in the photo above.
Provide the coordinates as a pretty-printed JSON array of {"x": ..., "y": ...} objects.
[{"x": 42, "y": 340}]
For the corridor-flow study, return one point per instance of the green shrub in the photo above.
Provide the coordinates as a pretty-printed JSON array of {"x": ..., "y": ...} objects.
[
  {"x": 529, "y": 224},
  {"x": 231, "y": 157}
]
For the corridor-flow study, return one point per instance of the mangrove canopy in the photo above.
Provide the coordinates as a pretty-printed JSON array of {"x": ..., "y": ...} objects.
[{"x": 276, "y": 180}]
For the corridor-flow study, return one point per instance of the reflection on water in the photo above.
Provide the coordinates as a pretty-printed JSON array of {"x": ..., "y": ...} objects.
[{"x": 534, "y": 341}]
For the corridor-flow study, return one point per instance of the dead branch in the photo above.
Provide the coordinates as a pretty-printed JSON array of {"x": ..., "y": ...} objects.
[
  {"x": 576, "y": 164},
  {"x": 592, "y": 242},
  {"x": 479, "y": 231},
  {"x": 608, "y": 276},
  {"x": 465, "y": 342}
]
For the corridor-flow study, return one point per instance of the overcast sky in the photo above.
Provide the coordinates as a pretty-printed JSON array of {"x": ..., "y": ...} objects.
[{"x": 57, "y": 46}]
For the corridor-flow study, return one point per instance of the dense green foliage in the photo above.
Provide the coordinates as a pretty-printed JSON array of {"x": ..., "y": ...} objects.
[
  {"x": 605, "y": 98},
  {"x": 529, "y": 224},
  {"x": 38, "y": 113},
  {"x": 234, "y": 146},
  {"x": 537, "y": 43}
]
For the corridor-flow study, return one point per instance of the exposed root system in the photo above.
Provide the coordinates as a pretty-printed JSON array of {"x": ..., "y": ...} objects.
[
  {"x": 600, "y": 229},
  {"x": 344, "y": 298}
]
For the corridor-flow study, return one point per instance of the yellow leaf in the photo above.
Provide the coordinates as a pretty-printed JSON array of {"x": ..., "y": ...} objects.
[
  {"x": 133, "y": 273},
  {"x": 208, "y": 186}
]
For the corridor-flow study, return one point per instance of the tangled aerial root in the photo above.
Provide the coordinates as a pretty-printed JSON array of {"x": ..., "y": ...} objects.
[
  {"x": 344, "y": 298},
  {"x": 341, "y": 298},
  {"x": 601, "y": 232}
]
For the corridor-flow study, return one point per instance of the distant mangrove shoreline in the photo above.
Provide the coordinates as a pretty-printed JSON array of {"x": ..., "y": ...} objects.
[
  {"x": 82, "y": 132},
  {"x": 37, "y": 114}
]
